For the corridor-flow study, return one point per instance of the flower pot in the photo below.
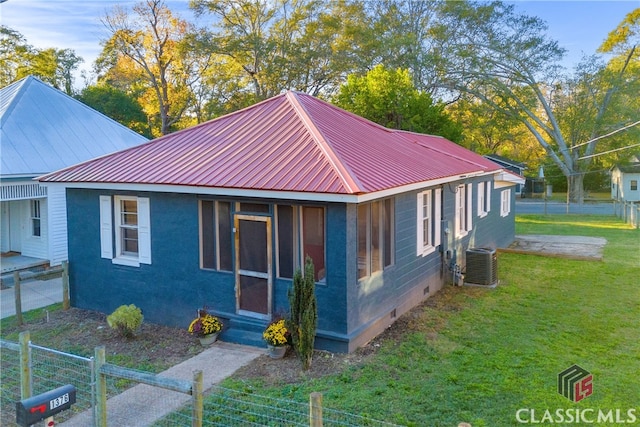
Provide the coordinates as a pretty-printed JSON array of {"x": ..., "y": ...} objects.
[
  {"x": 277, "y": 352},
  {"x": 208, "y": 339}
]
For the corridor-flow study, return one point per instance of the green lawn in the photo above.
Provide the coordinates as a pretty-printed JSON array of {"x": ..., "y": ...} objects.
[{"x": 479, "y": 355}]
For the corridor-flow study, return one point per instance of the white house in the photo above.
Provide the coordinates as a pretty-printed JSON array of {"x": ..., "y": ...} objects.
[
  {"x": 43, "y": 130},
  {"x": 624, "y": 182}
]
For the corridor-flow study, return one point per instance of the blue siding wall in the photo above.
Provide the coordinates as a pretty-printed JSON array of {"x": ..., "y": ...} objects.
[
  {"x": 374, "y": 302},
  {"x": 173, "y": 287},
  {"x": 170, "y": 289},
  {"x": 350, "y": 312}
]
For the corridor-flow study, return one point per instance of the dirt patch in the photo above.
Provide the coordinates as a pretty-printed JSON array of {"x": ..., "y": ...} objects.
[
  {"x": 81, "y": 331},
  {"x": 158, "y": 347},
  {"x": 571, "y": 247}
]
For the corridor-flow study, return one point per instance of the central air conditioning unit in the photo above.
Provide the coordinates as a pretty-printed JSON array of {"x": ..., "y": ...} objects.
[{"x": 482, "y": 267}]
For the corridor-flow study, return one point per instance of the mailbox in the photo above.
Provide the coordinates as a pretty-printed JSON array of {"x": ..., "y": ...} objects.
[{"x": 33, "y": 409}]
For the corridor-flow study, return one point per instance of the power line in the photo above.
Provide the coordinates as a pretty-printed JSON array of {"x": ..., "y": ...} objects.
[
  {"x": 607, "y": 152},
  {"x": 604, "y": 136}
]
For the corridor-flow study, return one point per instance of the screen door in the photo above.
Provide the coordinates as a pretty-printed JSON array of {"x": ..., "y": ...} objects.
[{"x": 253, "y": 265}]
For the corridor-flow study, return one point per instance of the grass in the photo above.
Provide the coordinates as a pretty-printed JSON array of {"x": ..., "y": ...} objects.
[{"x": 479, "y": 355}]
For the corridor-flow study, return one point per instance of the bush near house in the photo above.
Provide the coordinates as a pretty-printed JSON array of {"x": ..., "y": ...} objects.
[{"x": 126, "y": 319}]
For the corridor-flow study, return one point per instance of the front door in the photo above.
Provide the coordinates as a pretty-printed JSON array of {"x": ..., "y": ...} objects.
[{"x": 253, "y": 265}]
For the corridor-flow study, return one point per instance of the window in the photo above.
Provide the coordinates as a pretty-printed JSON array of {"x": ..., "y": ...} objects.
[
  {"x": 215, "y": 235},
  {"x": 313, "y": 238},
  {"x": 36, "y": 230},
  {"x": 634, "y": 185},
  {"x": 300, "y": 232},
  {"x": 375, "y": 236},
  {"x": 286, "y": 241},
  {"x": 463, "y": 220},
  {"x": 128, "y": 223},
  {"x": 428, "y": 224},
  {"x": 505, "y": 202},
  {"x": 484, "y": 198}
]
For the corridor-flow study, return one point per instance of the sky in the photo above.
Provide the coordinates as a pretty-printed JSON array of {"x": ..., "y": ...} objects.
[{"x": 579, "y": 26}]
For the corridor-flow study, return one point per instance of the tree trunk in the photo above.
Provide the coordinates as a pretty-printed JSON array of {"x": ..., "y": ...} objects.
[{"x": 575, "y": 187}]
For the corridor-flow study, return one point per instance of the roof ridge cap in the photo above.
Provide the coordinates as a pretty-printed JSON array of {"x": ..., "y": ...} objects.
[
  {"x": 428, "y": 147},
  {"x": 11, "y": 105},
  {"x": 346, "y": 175}
]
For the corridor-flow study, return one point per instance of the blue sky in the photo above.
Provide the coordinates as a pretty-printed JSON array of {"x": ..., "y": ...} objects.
[{"x": 579, "y": 26}]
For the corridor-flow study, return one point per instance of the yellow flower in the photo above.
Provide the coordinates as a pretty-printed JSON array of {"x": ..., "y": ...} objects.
[
  {"x": 276, "y": 334},
  {"x": 205, "y": 324}
]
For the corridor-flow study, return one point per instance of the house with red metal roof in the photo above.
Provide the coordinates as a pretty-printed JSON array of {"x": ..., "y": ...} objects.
[{"x": 222, "y": 214}]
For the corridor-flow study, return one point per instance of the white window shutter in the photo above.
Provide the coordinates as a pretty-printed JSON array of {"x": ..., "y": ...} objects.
[
  {"x": 144, "y": 231},
  {"x": 419, "y": 223},
  {"x": 106, "y": 228},
  {"x": 437, "y": 218},
  {"x": 488, "y": 196},
  {"x": 469, "y": 209},
  {"x": 480, "y": 194}
]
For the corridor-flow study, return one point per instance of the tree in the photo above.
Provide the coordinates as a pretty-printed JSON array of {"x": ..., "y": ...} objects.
[
  {"x": 306, "y": 45},
  {"x": 145, "y": 46},
  {"x": 389, "y": 98},
  {"x": 303, "y": 318},
  {"x": 505, "y": 60},
  {"x": 118, "y": 105},
  {"x": 14, "y": 55},
  {"x": 18, "y": 59},
  {"x": 401, "y": 30},
  {"x": 486, "y": 131}
]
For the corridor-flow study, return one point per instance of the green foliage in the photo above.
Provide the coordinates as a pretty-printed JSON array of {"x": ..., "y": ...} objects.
[
  {"x": 304, "y": 313},
  {"x": 18, "y": 59},
  {"x": 118, "y": 105},
  {"x": 389, "y": 98},
  {"x": 126, "y": 320}
]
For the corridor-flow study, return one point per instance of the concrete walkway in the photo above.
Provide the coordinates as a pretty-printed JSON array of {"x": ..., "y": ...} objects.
[
  {"x": 570, "y": 247},
  {"x": 142, "y": 405},
  {"x": 33, "y": 294}
]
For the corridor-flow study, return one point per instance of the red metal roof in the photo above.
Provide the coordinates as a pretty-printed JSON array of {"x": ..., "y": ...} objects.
[{"x": 292, "y": 142}]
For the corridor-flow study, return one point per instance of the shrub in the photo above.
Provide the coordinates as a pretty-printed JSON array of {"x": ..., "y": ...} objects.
[
  {"x": 126, "y": 320},
  {"x": 304, "y": 313}
]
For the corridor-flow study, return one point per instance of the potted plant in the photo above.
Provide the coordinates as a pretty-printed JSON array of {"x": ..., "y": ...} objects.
[
  {"x": 276, "y": 336},
  {"x": 206, "y": 327}
]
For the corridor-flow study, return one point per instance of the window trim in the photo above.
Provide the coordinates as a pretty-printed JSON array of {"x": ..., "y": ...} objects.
[
  {"x": 301, "y": 231},
  {"x": 110, "y": 229},
  {"x": 484, "y": 198},
  {"x": 215, "y": 227},
  {"x": 35, "y": 216},
  {"x": 383, "y": 221},
  {"x": 633, "y": 185},
  {"x": 463, "y": 216},
  {"x": 434, "y": 218},
  {"x": 505, "y": 202},
  {"x": 296, "y": 243}
]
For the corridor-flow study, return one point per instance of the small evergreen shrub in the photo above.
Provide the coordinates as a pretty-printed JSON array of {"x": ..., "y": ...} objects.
[
  {"x": 126, "y": 320},
  {"x": 304, "y": 313}
]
